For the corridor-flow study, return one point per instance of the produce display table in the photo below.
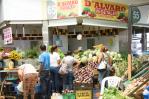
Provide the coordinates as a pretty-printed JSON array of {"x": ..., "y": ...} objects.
[
  {"x": 136, "y": 84},
  {"x": 8, "y": 71},
  {"x": 8, "y": 83},
  {"x": 9, "y": 74}
]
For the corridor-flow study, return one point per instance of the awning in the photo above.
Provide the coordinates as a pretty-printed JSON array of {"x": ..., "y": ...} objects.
[
  {"x": 104, "y": 23},
  {"x": 141, "y": 25},
  {"x": 25, "y": 22},
  {"x": 86, "y": 21},
  {"x": 62, "y": 22}
]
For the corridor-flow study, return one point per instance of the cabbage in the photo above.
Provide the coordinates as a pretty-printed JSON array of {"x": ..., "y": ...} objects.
[
  {"x": 90, "y": 55},
  {"x": 84, "y": 59},
  {"x": 95, "y": 58}
]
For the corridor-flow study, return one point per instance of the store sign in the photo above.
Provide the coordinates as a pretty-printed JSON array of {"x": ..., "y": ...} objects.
[
  {"x": 136, "y": 15},
  {"x": 83, "y": 94},
  {"x": 52, "y": 9},
  {"x": 67, "y": 8},
  {"x": 99, "y": 9},
  {"x": 105, "y": 10},
  {"x": 7, "y": 32}
]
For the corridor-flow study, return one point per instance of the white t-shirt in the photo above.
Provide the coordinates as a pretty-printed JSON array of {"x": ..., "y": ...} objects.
[
  {"x": 54, "y": 57},
  {"x": 69, "y": 60},
  {"x": 27, "y": 68}
]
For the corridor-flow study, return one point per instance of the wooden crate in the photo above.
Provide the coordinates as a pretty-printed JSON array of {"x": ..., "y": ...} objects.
[
  {"x": 83, "y": 94},
  {"x": 83, "y": 86}
]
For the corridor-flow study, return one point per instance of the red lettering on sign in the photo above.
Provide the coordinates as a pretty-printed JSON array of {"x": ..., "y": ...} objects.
[{"x": 87, "y": 3}]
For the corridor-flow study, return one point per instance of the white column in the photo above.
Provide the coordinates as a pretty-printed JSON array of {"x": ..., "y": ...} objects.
[{"x": 45, "y": 33}]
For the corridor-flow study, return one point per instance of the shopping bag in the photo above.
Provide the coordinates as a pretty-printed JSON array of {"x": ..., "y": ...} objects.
[
  {"x": 102, "y": 65},
  {"x": 56, "y": 96}
]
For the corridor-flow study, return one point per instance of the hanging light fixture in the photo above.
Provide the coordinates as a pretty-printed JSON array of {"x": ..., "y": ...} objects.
[{"x": 79, "y": 37}]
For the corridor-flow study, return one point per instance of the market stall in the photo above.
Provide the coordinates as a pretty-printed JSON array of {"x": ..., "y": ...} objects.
[
  {"x": 82, "y": 24},
  {"x": 8, "y": 73},
  {"x": 90, "y": 20}
]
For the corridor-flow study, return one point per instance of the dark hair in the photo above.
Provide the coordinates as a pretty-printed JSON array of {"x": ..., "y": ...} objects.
[
  {"x": 69, "y": 53},
  {"x": 53, "y": 48},
  {"x": 42, "y": 47},
  {"x": 102, "y": 49},
  {"x": 106, "y": 49}
]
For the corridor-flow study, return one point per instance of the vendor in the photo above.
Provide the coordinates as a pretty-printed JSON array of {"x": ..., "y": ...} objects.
[{"x": 27, "y": 73}]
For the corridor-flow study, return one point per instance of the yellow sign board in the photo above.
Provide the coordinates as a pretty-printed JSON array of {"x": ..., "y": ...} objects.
[
  {"x": 67, "y": 8},
  {"x": 83, "y": 94},
  {"x": 101, "y": 9},
  {"x": 98, "y": 9}
]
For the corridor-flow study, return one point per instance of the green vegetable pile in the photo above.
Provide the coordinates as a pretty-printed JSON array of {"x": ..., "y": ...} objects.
[
  {"x": 113, "y": 93},
  {"x": 31, "y": 53}
]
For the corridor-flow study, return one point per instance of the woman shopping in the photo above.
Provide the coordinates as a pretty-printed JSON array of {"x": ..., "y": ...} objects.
[
  {"x": 54, "y": 68},
  {"x": 102, "y": 64}
]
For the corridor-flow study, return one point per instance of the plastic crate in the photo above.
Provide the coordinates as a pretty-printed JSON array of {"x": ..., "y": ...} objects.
[{"x": 69, "y": 96}]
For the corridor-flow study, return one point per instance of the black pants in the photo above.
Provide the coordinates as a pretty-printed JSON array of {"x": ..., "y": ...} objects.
[{"x": 45, "y": 84}]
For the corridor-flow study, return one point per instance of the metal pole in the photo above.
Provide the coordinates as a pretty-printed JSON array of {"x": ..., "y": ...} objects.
[{"x": 129, "y": 41}]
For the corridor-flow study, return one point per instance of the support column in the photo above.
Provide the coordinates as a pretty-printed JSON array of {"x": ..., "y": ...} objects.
[
  {"x": 45, "y": 33},
  {"x": 50, "y": 36},
  {"x": 144, "y": 40},
  {"x": 129, "y": 42}
]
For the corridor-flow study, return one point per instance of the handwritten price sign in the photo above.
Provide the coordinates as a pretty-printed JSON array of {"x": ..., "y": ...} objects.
[{"x": 7, "y": 35}]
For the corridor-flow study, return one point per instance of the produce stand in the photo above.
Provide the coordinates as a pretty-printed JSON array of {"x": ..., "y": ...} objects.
[
  {"x": 136, "y": 84},
  {"x": 8, "y": 83}
]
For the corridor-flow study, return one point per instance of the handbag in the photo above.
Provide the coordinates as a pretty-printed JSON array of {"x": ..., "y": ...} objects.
[
  {"x": 102, "y": 65},
  {"x": 63, "y": 69}
]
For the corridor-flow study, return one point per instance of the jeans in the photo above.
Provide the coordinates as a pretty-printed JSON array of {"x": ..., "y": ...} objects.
[
  {"x": 102, "y": 75},
  {"x": 45, "y": 84},
  {"x": 68, "y": 81},
  {"x": 108, "y": 70},
  {"x": 55, "y": 79}
]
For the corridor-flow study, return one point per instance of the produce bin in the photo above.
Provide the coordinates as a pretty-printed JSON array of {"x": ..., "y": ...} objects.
[{"x": 83, "y": 94}]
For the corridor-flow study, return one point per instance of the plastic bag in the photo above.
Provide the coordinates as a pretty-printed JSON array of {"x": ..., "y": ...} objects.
[{"x": 20, "y": 86}]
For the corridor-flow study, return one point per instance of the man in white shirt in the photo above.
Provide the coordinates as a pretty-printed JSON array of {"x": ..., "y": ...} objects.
[{"x": 69, "y": 77}]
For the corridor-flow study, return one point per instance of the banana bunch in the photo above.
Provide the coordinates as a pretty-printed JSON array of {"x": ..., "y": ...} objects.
[{"x": 15, "y": 55}]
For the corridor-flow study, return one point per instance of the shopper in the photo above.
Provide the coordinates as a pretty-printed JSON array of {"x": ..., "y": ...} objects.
[
  {"x": 44, "y": 72},
  {"x": 109, "y": 62},
  {"x": 68, "y": 78},
  {"x": 54, "y": 68},
  {"x": 102, "y": 69},
  {"x": 28, "y": 76}
]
